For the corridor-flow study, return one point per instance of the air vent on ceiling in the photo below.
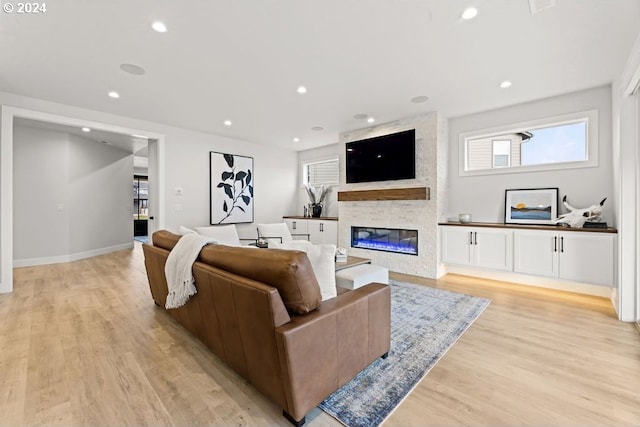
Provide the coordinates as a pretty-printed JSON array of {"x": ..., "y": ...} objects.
[{"x": 536, "y": 6}]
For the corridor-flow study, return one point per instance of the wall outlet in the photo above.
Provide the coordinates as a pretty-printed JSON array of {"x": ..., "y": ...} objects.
[
  {"x": 60, "y": 207},
  {"x": 178, "y": 191}
]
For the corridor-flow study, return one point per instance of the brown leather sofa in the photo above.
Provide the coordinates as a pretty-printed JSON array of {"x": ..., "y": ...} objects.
[{"x": 260, "y": 311}]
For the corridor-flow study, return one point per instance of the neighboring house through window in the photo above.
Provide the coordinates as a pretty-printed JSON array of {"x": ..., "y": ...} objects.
[{"x": 567, "y": 141}]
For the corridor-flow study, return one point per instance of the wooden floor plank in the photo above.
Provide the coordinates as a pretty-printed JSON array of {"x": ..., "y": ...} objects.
[{"x": 83, "y": 344}]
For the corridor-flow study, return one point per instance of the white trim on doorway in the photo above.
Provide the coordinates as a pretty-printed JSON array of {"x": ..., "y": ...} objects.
[{"x": 8, "y": 114}]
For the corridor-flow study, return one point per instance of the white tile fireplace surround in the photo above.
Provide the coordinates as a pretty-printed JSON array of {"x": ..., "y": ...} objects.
[{"x": 419, "y": 215}]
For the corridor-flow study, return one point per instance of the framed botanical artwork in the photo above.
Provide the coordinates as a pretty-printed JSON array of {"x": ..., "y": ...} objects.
[
  {"x": 231, "y": 183},
  {"x": 531, "y": 206}
]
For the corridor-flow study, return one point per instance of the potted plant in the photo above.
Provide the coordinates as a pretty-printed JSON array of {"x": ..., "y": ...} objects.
[{"x": 317, "y": 196}]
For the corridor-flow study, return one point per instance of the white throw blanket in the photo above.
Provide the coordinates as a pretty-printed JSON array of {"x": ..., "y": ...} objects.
[{"x": 180, "y": 281}]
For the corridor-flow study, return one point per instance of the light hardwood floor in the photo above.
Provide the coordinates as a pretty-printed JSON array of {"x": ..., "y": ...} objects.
[{"x": 83, "y": 344}]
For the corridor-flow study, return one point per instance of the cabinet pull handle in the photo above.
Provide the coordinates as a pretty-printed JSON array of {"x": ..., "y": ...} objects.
[
  {"x": 471, "y": 237},
  {"x": 475, "y": 238},
  {"x": 294, "y": 225},
  {"x": 562, "y": 244},
  {"x": 321, "y": 227},
  {"x": 555, "y": 244}
]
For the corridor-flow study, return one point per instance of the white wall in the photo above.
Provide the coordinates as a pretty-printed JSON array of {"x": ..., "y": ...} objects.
[
  {"x": 483, "y": 196},
  {"x": 319, "y": 154},
  {"x": 186, "y": 166},
  {"x": 100, "y": 195},
  {"x": 187, "y": 152},
  {"x": 41, "y": 174},
  {"x": 626, "y": 136},
  {"x": 72, "y": 197}
]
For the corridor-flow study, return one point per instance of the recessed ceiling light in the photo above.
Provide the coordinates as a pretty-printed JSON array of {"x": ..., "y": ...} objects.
[
  {"x": 227, "y": 123},
  {"x": 132, "y": 69},
  {"x": 114, "y": 94},
  {"x": 296, "y": 139},
  {"x": 159, "y": 27},
  {"x": 86, "y": 129},
  {"x": 419, "y": 99},
  {"x": 361, "y": 116},
  {"x": 371, "y": 120},
  {"x": 505, "y": 84},
  {"x": 469, "y": 13},
  {"x": 537, "y": 6},
  {"x": 301, "y": 89},
  {"x": 317, "y": 128}
]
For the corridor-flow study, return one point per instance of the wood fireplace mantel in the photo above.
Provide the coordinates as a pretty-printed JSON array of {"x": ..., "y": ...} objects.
[{"x": 414, "y": 193}]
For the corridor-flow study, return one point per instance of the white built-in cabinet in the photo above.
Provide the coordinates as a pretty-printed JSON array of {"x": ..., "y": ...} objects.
[
  {"x": 578, "y": 256},
  {"x": 587, "y": 257},
  {"x": 478, "y": 247},
  {"x": 297, "y": 226},
  {"x": 320, "y": 230}
]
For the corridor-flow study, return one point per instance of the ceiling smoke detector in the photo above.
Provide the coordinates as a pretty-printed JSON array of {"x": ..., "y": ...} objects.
[{"x": 537, "y": 6}]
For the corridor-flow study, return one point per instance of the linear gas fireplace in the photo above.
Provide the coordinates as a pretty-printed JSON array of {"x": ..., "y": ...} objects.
[{"x": 385, "y": 239}]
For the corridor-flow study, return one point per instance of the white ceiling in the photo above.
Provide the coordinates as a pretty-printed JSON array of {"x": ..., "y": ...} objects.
[
  {"x": 124, "y": 142},
  {"x": 243, "y": 60}
]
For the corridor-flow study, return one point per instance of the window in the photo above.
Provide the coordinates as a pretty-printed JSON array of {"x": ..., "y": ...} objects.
[
  {"x": 321, "y": 173},
  {"x": 501, "y": 153},
  {"x": 562, "y": 142},
  {"x": 140, "y": 197}
]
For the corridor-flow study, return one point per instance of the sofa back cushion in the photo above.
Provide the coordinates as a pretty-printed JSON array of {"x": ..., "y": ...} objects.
[
  {"x": 224, "y": 234},
  {"x": 288, "y": 271}
]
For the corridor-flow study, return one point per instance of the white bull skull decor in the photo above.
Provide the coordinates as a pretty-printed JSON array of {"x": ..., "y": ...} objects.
[{"x": 576, "y": 218}]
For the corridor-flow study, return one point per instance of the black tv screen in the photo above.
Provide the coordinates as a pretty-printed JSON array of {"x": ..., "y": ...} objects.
[{"x": 383, "y": 158}]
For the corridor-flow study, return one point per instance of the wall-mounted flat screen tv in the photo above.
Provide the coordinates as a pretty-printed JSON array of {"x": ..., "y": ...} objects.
[{"x": 383, "y": 158}]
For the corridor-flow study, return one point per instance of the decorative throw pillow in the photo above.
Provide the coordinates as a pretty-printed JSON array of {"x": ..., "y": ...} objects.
[
  {"x": 184, "y": 230},
  {"x": 223, "y": 234},
  {"x": 322, "y": 258}
]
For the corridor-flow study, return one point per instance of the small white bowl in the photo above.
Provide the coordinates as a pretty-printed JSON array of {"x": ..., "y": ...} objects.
[{"x": 464, "y": 218}]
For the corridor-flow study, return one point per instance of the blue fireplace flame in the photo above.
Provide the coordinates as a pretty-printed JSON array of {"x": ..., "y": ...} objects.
[{"x": 385, "y": 239}]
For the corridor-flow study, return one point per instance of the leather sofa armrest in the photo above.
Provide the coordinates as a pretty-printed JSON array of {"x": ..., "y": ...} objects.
[{"x": 323, "y": 350}]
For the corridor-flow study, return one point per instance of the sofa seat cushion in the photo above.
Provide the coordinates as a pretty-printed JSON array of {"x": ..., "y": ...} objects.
[
  {"x": 322, "y": 258},
  {"x": 288, "y": 271}
]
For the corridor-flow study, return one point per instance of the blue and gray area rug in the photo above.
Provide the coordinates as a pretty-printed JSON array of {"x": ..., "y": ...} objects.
[{"x": 425, "y": 323}]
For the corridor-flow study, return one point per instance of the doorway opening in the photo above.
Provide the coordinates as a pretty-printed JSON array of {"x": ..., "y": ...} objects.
[{"x": 81, "y": 247}]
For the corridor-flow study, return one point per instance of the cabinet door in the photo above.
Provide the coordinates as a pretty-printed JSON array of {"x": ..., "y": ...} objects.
[
  {"x": 535, "y": 252},
  {"x": 297, "y": 226},
  {"x": 321, "y": 232},
  {"x": 329, "y": 231},
  {"x": 587, "y": 257},
  {"x": 493, "y": 248},
  {"x": 456, "y": 245}
]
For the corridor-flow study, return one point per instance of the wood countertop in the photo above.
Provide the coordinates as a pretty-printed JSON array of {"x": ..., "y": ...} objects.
[
  {"x": 322, "y": 218},
  {"x": 530, "y": 227}
]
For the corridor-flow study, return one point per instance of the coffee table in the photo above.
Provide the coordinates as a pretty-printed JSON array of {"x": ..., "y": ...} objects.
[{"x": 352, "y": 261}]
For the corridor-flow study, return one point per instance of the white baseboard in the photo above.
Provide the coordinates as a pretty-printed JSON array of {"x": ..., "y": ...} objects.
[
  {"x": 30, "y": 262},
  {"x": 539, "y": 281}
]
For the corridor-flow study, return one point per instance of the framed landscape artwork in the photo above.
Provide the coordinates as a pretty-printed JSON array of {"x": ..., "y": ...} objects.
[
  {"x": 531, "y": 206},
  {"x": 231, "y": 188}
]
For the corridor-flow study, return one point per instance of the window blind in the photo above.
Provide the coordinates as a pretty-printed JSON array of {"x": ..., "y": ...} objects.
[{"x": 322, "y": 173}]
